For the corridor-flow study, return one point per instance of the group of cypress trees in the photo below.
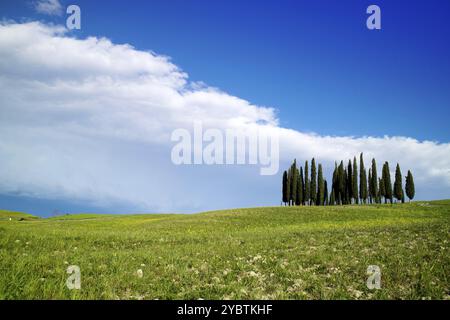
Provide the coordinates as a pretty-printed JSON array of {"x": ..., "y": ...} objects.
[{"x": 302, "y": 188}]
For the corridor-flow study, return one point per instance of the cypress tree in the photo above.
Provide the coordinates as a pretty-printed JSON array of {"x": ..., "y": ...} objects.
[
  {"x": 285, "y": 187},
  {"x": 341, "y": 184},
  {"x": 374, "y": 181},
  {"x": 378, "y": 193},
  {"x": 350, "y": 181},
  {"x": 410, "y": 189},
  {"x": 303, "y": 187},
  {"x": 334, "y": 182},
  {"x": 307, "y": 185},
  {"x": 294, "y": 180},
  {"x": 355, "y": 181},
  {"x": 332, "y": 198},
  {"x": 398, "y": 188},
  {"x": 289, "y": 175},
  {"x": 300, "y": 188},
  {"x": 387, "y": 182},
  {"x": 383, "y": 180},
  {"x": 382, "y": 189},
  {"x": 313, "y": 190},
  {"x": 320, "y": 187},
  {"x": 362, "y": 180},
  {"x": 345, "y": 192}
]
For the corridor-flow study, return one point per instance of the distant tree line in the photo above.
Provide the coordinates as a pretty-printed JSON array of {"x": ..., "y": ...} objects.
[{"x": 301, "y": 187}]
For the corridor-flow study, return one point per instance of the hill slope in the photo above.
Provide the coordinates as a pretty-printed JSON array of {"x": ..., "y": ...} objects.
[
  {"x": 13, "y": 215},
  {"x": 259, "y": 253}
]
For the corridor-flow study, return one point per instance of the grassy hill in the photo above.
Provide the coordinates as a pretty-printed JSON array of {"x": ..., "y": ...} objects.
[
  {"x": 13, "y": 215},
  {"x": 259, "y": 253}
]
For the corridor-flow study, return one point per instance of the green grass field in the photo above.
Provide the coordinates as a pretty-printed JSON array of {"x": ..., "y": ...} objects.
[{"x": 259, "y": 253}]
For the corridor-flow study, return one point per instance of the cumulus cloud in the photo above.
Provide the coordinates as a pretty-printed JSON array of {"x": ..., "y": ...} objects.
[
  {"x": 90, "y": 120},
  {"x": 49, "y": 7}
]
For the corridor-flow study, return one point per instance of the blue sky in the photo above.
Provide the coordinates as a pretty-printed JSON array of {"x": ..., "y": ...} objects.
[
  {"x": 293, "y": 55},
  {"x": 315, "y": 62}
]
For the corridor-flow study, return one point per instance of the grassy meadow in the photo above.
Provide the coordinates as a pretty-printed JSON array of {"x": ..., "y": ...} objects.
[{"x": 256, "y": 253}]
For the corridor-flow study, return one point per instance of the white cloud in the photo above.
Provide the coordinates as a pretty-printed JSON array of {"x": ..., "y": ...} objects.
[
  {"x": 90, "y": 120},
  {"x": 49, "y": 7}
]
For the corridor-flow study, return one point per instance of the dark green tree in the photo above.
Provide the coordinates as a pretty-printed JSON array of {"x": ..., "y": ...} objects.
[
  {"x": 341, "y": 184},
  {"x": 299, "y": 198},
  {"x": 410, "y": 189},
  {"x": 355, "y": 194},
  {"x": 362, "y": 180},
  {"x": 374, "y": 181},
  {"x": 334, "y": 182},
  {"x": 382, "y": 193},
  {"x": 332, "y": 201},
  {"x": 289, "y": 185},
  {"x": 320, "y": 187},
  {"x": 345, "y": 191},
  {"x": 398, "y": 186},
  {"x": 299, "y": 187},
  {"x": 285, "y": 188},
  {"x": 349, "y": 182},
  {"x": 294, "y": 180},
  {"x": 307, "y": 185},
  {"x": 313, "y": 190},
  {"x": 387, "y": 183}
]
